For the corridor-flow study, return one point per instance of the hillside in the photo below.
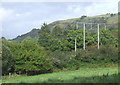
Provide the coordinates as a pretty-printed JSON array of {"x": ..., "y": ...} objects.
[
  {"x": 33, "y": 33},
  {"x": 111, "y": 21}
]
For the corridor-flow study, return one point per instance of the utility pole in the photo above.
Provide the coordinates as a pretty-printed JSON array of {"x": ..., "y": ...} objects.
[
  {"x": 84, "y": 36},
  {"x": 98, "y": 36},
  {"x": 84, "y": 24},
  {"x": 105, "y": 26},
  {"x": 75, "y": 44},
  {"x": 91, "y": 25},
  {"x": 76, "y": 25}
]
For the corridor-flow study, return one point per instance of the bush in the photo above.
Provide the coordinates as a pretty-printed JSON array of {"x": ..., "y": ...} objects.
[
  {"x": 38, "y": 65},
  {"x": 59, "y": 58},
  {"x": 110, "y": 52},
  {"x": 107, "y": 53}
]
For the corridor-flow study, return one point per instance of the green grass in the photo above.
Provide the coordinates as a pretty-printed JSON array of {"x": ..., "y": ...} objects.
[
  {"x": 83, "y": 75},
  {"x": 0, "y": 81}
]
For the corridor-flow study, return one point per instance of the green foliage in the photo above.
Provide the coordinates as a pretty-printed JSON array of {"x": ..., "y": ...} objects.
[
  {"x": 110, "y": 52},
  {"x": 57, "y": 31},
  {"x": 7, "y": 58},
  {"x": 53, "y": 41},
  {"x": 107, "y": 38},
  {"x": 30, "y": 58},
  {"x": 57, "y": 40},
  {"x": 78, "y": 34},
  {"x": 82, "y": 17},
  {"x": 55, "y": 45},
  {"x": 67, "y": 29},
  {"x": 44, "y": 37},
  {"x": 29, "y": 39},
  {"x": 33, "y": 34},
  {"x": 66, "y": 46},
  {"x": 106, "y": 53},
  {"x": 45, "y": 28},
  {"x": 45, "y": 40}
]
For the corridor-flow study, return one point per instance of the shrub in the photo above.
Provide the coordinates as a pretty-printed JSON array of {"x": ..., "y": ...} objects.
[
  {"x": 106, "y": 53},
  {"x": 110, "y": 52}
]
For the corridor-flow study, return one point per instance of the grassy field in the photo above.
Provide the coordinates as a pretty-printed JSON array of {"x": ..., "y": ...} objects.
[{"x": 83, "y": 75}]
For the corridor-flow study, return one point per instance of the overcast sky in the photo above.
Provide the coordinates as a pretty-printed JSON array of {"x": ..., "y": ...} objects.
[{"x": 18, "y": 18}]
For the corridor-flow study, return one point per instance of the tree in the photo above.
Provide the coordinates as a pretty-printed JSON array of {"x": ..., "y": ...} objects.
[
  {"x": 55, "y": 45},
  {"x": 30, "y": 58},
  {"x": 45, "y": 28},
  {"x": 29, "y": 39},
  {"x": 106, "y": 37},
  {"x": 67, "y": 29},
  {"x": 45, "y": 40},
  {"x": 65, "y": 46},
  {"x": 7, "y": 58},
  {"x": 78, "y": 34},
  {"x": 82, "y": 17},
  {"x": 57, "y": 31},
  {"x": 48, "y": 41}
]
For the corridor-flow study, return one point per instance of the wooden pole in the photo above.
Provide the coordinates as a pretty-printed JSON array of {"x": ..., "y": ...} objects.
[
  {"x": 76, "y": 25},
  {"x": 91, "y": 25},
  {"x": 9, "y": 75},
  {"x": 98, "y": 36},
  {"x": 75, "y": 45},
  {"x": 105, "y": 26},
  {"x": 84, "y": 36}
]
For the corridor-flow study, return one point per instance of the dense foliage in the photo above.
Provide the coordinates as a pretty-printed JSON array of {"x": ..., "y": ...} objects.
[
  {"x": 106, "y": 37},
  {"x": 30, "y": 58},
  {"x": 54, "y": 49},
  {"x": 63, "y": 48},
  {"x": 7, "y": 58},
  {"x": 55, "y": 41},
  {"x": 33, "y": 34}
]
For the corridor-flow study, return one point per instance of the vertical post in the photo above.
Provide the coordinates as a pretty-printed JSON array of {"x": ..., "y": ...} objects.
[
  {"x": 91, "y": 25},
  {"x": 98, "y": 36},
  {"x": 105, "y": 26},
  {"x": 12, "y": 76},
  {"x": 9, "y": 75},
  {"x": 75, "y": 45},
  {"x": 84, "y": 36},
  {"x": 76, "y": 25}
]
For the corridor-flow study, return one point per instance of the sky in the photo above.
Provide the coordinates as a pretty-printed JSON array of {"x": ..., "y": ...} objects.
[{"x": 17, "y": 18}]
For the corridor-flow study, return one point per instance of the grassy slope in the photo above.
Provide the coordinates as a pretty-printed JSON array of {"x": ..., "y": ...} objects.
[
  {"x": 82, "y": 75},
  {"x": 96, "y": 19}
]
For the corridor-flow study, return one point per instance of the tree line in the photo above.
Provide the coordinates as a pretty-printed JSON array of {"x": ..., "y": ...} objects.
[{"x": 42, "y": 56}]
